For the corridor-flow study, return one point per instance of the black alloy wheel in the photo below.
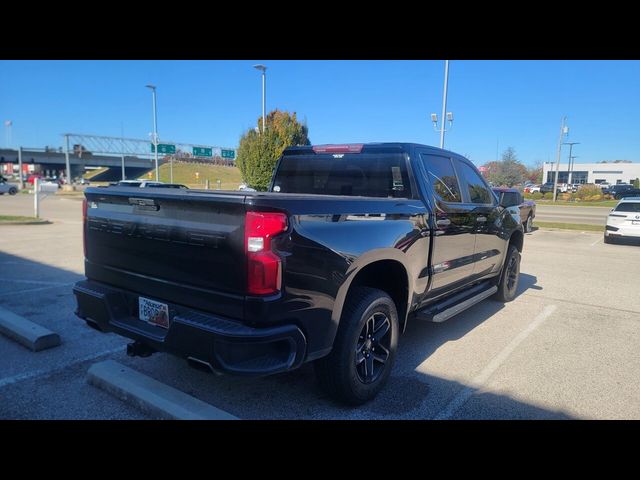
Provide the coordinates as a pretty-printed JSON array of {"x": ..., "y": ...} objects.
[{"x": 373, "y": 348}]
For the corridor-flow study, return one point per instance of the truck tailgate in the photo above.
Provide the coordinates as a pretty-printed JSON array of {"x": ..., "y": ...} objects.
[{"x": 182, "y": 247}]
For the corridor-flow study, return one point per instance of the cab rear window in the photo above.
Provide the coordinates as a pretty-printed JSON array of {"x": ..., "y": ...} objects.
[
  {"x": 351, "y": 174},
  {"x": 628, "y": 207}
]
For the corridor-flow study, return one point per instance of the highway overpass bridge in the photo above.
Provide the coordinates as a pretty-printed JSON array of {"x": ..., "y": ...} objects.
[{"x": 52, "y": 162}]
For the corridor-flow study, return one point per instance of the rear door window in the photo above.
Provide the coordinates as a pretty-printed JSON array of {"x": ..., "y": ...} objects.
[{"x": 443, "y": 177}]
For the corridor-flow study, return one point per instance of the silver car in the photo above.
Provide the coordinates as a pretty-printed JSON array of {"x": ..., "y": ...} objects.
[{"x": 6, "y": 187}]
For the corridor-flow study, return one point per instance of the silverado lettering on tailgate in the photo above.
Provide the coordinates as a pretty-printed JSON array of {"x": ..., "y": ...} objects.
[{"x": 197, "y": 238}]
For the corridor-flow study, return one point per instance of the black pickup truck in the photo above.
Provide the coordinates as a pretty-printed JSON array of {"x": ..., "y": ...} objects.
[{"x": 349, "y": 243}]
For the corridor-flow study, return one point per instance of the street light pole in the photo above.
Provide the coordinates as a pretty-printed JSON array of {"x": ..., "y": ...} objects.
[
  {"x": 444, "y": 101},
  {"x": 263, "y": 69},
  {"x": 563, "y": 131},
  {"x": 8, "y": 124},
  {"x": 571, "y": 144},
  {"x": 155, "y": 130}
]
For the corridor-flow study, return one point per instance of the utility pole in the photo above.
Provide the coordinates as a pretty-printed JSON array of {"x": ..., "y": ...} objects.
[{"x": 563, "y": 131}]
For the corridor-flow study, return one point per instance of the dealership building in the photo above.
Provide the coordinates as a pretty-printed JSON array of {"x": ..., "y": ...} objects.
[{"x": 610, "y": 172}]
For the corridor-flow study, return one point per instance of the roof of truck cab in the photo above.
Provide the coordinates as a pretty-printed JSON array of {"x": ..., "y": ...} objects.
[{"x": 402, "y": 146}]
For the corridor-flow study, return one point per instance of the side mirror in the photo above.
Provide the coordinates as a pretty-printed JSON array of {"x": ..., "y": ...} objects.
[{"x": 507, "y": 201}]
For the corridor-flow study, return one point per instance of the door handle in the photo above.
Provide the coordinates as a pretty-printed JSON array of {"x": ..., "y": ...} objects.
[
  {"x": 481, "y": 219},
  {"x": 445, "y": 222}
]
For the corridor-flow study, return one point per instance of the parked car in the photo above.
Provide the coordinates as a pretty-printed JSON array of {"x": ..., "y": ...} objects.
[
  {"x": 47, "y": 185},
  {"x": 527, "y": 208},
  {"x": 619, "y": 190},
  {"x": 623, "y": 221},
  {"x": 532, "y": 188},
  {"x": 327, "y": 266},
  {"x": 634, "y": 192},
  {"x": 548, "y": 188},
  {"x": 6, "y": 187}
]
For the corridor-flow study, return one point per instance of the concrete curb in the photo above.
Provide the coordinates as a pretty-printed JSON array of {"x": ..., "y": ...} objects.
[
  {"x": 27, "y": 222},
  {"x": 149, "y": 395},
  {"x": 29, "y": 334}
]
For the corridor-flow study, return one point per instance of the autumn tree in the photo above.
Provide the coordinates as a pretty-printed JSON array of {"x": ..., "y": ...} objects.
[
  {"x": 508, "y": 171},
  {"x": 259, "y": 151}
]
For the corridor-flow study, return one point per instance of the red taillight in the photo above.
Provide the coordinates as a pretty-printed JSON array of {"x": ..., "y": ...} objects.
[
  {"x": 84, "y": 226},
  {"x": 263, "y": 266},
  {"x": 350, "y": 148}
]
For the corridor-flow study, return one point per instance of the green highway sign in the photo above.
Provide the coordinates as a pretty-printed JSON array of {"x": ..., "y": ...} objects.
[
  {"x": 202, "y": 152},
  {"x": 228, "y": 153},
  {"x": 164, "y": 148}
]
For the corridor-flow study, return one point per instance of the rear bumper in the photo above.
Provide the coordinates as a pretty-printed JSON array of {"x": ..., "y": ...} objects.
[
  {"x": 225, "y": 345},
  {"x": 626, "y": 232}
]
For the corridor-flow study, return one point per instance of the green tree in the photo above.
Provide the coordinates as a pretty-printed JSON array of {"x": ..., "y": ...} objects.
[
  {"x": 508, "y": 171},
  {"x": 636, "y": 183},
  {"x": 258, "y": 152}
]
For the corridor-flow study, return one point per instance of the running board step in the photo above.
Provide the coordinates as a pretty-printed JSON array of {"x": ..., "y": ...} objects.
[{"x": 456, "y": 304}]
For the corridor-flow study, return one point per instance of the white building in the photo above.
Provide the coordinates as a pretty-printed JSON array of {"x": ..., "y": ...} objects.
[{"x": 611, "y": 173}]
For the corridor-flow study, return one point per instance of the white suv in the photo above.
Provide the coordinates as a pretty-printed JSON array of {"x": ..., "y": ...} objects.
[{"x": 624, "y": 220}]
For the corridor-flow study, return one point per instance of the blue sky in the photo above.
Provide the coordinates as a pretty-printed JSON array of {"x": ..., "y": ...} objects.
[{"x": 513, "y": 103}]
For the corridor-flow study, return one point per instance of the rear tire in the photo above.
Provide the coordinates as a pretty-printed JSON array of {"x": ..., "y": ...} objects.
[
  {"x": 13, "y": 191},
  {"x": 509, "y": 277},
  {"x": 360, "y": 364},
  {"x": 528, "y": 226}
]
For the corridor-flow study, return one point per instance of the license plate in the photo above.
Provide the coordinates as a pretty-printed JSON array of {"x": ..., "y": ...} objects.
[{"x": 153, "y": 312}]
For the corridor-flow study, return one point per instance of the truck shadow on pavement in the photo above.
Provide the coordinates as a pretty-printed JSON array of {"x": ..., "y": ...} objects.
[{"x": 35, "y": 290}]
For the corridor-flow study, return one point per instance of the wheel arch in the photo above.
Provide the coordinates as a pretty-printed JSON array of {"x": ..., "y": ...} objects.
[{"x": 386, "y": 271}]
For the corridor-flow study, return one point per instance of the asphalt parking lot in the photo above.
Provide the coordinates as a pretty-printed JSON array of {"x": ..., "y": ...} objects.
[{"x": 567, "y": 347}]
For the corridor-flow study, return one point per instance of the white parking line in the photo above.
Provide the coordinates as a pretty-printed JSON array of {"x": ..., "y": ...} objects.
[
  {"x": 50, "y": 371},
  {"x": 461, "y": 398},
  {"x": 15, "y": 292},
  {"x": 595, "y": 243}
]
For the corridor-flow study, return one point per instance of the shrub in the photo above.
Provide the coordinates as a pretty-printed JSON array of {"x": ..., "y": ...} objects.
[
  {"x": 536, "y": 196},
  {"x": 586, "y": 192}
]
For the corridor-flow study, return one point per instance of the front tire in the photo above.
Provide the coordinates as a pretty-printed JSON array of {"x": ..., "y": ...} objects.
[
  {"x": 608, "y": 239},
  {"x": 364, "y": 348},
  {"x": 509, "y": 277},
  {"x": 13, "y": 191}
]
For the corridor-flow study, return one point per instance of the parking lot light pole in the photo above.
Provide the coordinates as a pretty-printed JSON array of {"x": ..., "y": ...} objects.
[
  {"x": 20, "y": 168},
  {"x": 444, "y": 101},
  {"x": 564, "y": 130},
  {"x": 263, "y": 69},
  {"x": 66, "y": 158},
  {"x": 155, "y": 130}
]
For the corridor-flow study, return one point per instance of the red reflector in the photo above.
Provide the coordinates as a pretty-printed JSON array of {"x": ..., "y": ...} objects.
[
  {"x": 263, "y": 266},
  {"x": 350, "y": 148}
]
